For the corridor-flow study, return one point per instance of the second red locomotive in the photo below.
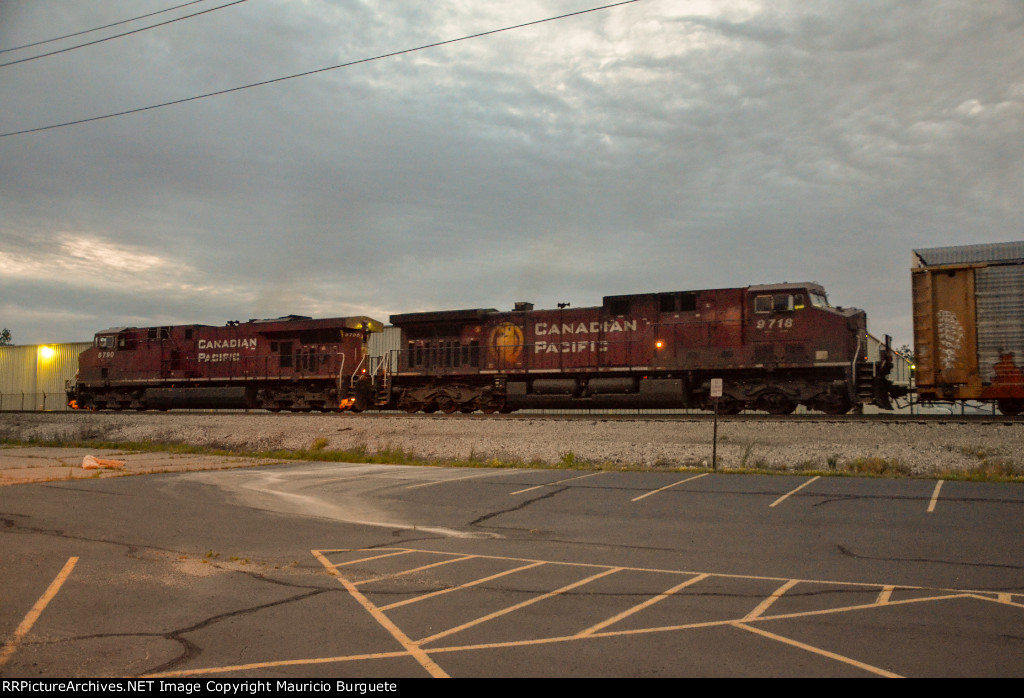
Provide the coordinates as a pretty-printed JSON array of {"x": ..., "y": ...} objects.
[{"x": 775, "y": 346}]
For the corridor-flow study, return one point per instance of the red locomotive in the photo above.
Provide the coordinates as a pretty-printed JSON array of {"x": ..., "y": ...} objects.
[
  {"x": 775, "y": 347},
  {"x": 294, "y": 363}
]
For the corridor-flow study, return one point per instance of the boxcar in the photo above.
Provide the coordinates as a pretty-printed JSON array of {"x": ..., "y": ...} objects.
[{"x": 969, "y": 324}]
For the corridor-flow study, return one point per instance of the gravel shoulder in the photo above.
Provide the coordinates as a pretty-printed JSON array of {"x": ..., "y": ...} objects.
[{"x": 920, "y": 448}]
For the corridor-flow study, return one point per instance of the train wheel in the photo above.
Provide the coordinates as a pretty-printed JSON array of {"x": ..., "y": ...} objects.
[
  {"x": 1011, "y": 408},
  {"x": 776, "y": 403},
  {"x": 447, "y": 405}
]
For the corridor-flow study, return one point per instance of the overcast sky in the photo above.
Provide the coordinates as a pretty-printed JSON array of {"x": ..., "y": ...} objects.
[{"x": 658, "y": 146}]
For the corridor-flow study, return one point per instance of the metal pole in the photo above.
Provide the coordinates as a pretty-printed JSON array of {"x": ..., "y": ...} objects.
[{"x": 714, "y": 440}]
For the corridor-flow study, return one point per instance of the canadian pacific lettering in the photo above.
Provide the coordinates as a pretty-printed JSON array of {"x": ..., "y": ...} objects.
[
  {"x": 547, "y": 328},
  {"x": 222, "y": 356}
]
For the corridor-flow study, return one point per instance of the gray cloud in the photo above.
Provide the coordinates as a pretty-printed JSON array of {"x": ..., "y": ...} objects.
[{"x": 657, "y": 146}]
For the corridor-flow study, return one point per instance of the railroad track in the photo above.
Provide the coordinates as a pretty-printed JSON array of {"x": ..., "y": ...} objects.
[{"x": 808, "y": 418}]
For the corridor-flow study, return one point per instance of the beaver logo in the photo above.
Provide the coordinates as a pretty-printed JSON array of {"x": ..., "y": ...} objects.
[{"x": 507, "y": 343}]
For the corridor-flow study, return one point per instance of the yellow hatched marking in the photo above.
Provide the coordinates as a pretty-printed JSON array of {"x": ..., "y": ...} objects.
[
  {"x": 461, "y": 586},
  {"x": 793, "y": 491},
  {"x": 776, "y": 595},
  {"x": 516, "y": 607},
  {"x": 885, "y": 595},
  {"x": 415, "y": 569},
  {"x": 37, "y": 610},
  {"x": 935, "y": 497},
  {"x": 414, "y": 650},
  {"x": 818, "y": 650},
  {"x": 411, "y": 647},
  {"x": 662, "y": 489},
  {"x": 1002, "y": 599},
  {"x": 556, "y": 482},
  {"x": 641, "y": 606},
  {"x": 331, "y": 565}
]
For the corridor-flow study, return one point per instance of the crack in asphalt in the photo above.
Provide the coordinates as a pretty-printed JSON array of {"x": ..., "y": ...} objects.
[
  {"x": 190, "y": 650},
  {"x": 857, "y": 556},
  {"x": 522, "y": 505}
]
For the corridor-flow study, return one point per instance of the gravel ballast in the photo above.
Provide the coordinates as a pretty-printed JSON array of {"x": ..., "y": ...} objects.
[{"x": 914, "y": 447}]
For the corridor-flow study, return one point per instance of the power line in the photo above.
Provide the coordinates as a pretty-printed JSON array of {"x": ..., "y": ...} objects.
[
  {"x": 318, "y": 70},
  {"x": 117, "y": 36},
  {"x": 94, "y": 29}
]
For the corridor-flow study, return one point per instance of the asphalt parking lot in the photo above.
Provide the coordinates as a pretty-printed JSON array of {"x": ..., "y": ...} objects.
[{"x": 344, "y": 570}]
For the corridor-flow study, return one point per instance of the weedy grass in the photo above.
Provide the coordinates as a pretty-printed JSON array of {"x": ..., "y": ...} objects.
[{"x": 988, "y": 469}]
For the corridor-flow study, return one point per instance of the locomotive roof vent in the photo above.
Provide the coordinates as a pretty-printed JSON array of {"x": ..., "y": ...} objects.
[
  {"x": 284, "y": 318},
  {"x": 522, "y": 306}
]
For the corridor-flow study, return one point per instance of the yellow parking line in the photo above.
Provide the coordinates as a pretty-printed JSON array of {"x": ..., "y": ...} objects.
[
  {"x": 792, "y": 492},
  {"x": 935, "y": 496},
  {"x": 776, "y": 595},
  {"x": 33, "y": 615},
  {"x": 415, "y": 569},
  {"x": 516, "y": 607},
  {"x": 557, "y": 482},
  {"x": 662, "y": 489},
  {"x": 818, "y": 650},
  {"x": 641, "y": 606},
  {"x": 274, "y": 664},
  {"x": 411, "y": 647},
  {"x": 467, "y": 585},
  {"x": 364, "y": 559},
  {"x": 885, "y": 595}
]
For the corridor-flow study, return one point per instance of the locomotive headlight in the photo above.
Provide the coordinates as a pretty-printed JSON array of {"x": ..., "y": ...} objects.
[{"x": 658, "y": 344}]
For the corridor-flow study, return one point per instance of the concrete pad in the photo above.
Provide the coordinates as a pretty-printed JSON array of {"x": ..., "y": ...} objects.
[{"x": 20, "y": 465}]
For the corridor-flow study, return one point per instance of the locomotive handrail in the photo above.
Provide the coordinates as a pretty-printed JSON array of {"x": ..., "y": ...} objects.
[
  {"x": 341, "y": 374},
  {"x": 355, "y": 371}
]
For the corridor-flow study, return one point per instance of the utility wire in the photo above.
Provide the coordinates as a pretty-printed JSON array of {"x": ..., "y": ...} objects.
[
  {"x": 319, "y": 70},
  {"x": 117, "y": 36},
  {"x": 95, "y": 29}
]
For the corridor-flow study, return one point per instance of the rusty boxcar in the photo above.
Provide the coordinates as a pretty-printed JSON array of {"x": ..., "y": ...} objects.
[
  {"x": 969, "y": 324},
  {"x": 291, "y": 363},
  {"x": 775, "y": 346}
]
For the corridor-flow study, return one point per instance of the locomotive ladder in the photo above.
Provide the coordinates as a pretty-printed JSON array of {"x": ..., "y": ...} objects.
[{"x": 382, "y": 380}]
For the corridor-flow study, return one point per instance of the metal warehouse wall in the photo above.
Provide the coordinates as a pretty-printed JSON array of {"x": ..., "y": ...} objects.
[{"x": 32, "y": 377}]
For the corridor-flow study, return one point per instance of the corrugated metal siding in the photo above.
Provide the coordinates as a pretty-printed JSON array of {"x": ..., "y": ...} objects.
[
  {"x": 1000, "y": 308},
  {"x": 972, "y": 254},
  {"x": 383, "y": 343},
  {"x": 17, "y": 376},
  {"x": 30, "y": 381}
]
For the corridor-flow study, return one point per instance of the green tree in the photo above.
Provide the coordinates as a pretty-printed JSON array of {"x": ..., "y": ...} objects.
[{"x": 5, "y": 337}]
